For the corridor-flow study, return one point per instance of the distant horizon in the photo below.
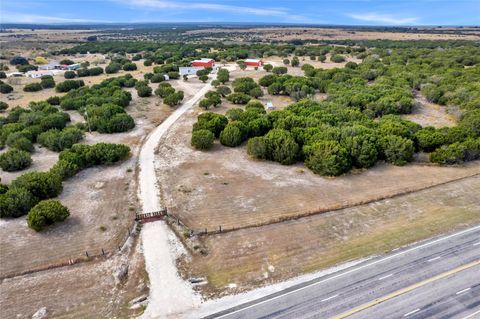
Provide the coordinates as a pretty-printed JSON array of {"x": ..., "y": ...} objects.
[{"x": 246, "y": 23}]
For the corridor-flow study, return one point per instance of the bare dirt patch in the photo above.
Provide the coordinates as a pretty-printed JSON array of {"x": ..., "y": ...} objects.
[
  {"x": 263, "y": 255},
  {"x": 430, "y": 114}
]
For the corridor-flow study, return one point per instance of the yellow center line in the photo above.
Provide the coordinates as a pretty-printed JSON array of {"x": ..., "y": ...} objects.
[{"x": 405, "y": 290}]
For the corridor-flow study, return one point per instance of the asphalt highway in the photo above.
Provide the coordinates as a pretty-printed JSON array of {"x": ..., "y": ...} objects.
[{"x": 439, "y": 278}]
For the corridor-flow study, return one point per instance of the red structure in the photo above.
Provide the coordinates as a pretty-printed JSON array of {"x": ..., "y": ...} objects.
[
  {"x": 253, "y": 62},
  {"x": 204, "y": 62}
]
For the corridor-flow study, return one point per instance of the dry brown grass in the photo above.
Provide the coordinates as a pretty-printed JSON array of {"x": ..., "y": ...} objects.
[
  {"x": 293, "y": 33},
  {"x": 246, "y": 257}
]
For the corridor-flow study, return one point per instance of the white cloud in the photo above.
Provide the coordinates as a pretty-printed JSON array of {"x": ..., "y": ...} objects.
[
  {"x": 383, "y": 18},
  {"x": 161, "y": 4},
  {"x": 13, "y": 17}
]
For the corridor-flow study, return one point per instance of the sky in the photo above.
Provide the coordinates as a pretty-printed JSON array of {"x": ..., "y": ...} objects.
[{"x": 339, "y": 12}]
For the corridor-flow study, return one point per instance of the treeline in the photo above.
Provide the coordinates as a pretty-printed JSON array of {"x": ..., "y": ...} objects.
[{"x": 332, "y": 139}]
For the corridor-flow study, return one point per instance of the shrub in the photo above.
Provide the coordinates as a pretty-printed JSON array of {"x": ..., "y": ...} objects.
[
  {"x": 3, "y": 75},
  {"x": 282, "y": 147},
  {"x": 202, "y": 139},
  {"x": 397, "y": 150},
  {"x": 69, "y": 74},
  {"x": 66, "y": 62},
  {"x": 18, "y": 60},
  {"x": 32, "y": 87},
  {"x": 429, "y": 139},
  {"x": 239, "y": 98},
  {"x": 327, "y": 158},
  {"x": 257, "y": 147},
  {"x": 129, "y": 66},
  {"x": 47, "y": 82},
  {"x": 147, "y": 62},
  {"x": 54, "y": 100},
  {"x": 46, "y": 213},
  {"x": 143, "y": 90},
  {"x": 223, "y": 90},
  {"x": 164, "y": 89},
  {"x": 15, "y": 160},
  {"x": 174, "y": 98},
  {"x": 5, "y": 88},
  {"x": 268, "y": 67},
  {"x": 231, "y": 136},
  {"x": 337, "y": 58},
  {"x": 20, "y": 142},
  {"x": 16, "y": 202},
  {"x": 3, "y": 106},
  {"x": 213, "y": 122},
  {"x": 95, "y": 71},
  {"x": 69, "y": 85},
  {"x": 280, "y": 70},
  {"x": 157, "y": 78},
  {"x": 113, "y": 67},
  {"x": 57, "y": 141},
  {"x": 42, "y": 185}
]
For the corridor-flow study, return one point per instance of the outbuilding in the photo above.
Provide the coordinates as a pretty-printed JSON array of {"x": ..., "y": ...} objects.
[
  {"x": 39, "y": 74},
  {"x": 253, "y": 62},
  {"x": 189, "y": 70},
  {"x": 204, "y": 62},
  {"x": 50, "y": 66}
]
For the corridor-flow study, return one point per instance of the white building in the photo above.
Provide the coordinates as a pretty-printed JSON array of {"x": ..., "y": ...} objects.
[
  {"x": 270, "y": 106},
  {"x": 189, "y": 70},
  {"x": 50, "y": 66},
  {"x": 39, "y": 74}
]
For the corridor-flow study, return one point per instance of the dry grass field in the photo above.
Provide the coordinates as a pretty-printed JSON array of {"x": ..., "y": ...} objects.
[
  {"x": 262, "y": 255},
  {"x": 295, "y": 33}
]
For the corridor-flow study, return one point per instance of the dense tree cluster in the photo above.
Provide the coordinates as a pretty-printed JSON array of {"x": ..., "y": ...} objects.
[
  {"x": 46, "y": 213},
  {"x": 90, "y": 71},
  {"x": 169, "y": 95}
]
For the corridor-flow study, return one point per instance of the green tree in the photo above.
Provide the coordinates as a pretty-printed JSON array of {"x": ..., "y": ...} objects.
[
  {"x": 203, "y": 78},
  {"x": 47, "y": 82},
  {"x": 223, "y": 76},
  {"x": 32, "y": 87},
  {"x": 268, "y": 67},
  {"x": 46, "y": 213},
  {"x": 202, "y": 139},
  {"x": 16, "y": 202},
  {"x": 327, "y": 158},
  {"x": 232, "y": 136},
  {"x": 397, "y": 150},
  {"x": 42, "y": 185},
  {"x": 295, "y": 61},
  {"x": 282, "y": 147}
]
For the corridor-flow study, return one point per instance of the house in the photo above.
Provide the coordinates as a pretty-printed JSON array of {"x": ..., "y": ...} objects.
[
  {"x": 40, "y": 73},
  {"x": 189, "y": 70},
  {"x": 204, "y": 62},
  {"x": 50, "y": 66},
  {"x": 253, "y": 62}
]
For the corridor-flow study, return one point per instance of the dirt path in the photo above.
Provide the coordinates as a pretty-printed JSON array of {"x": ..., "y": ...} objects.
[{"x": 169, "y": 294}]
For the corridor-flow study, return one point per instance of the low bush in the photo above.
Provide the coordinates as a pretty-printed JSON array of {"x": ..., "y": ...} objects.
[
  {"x": 202, "y": 139},
  {"x": 57, "y": 141},
  {"x": 32, "y": 87},
  {"x": 15, "y": 160},
  {"x": 47, "y": 82},
  {"x": 16, "y": 202},
  {"x": 69, "y": 85},
  {"x": 42, "y": 185},
  {"x": 46, "y": 213}
]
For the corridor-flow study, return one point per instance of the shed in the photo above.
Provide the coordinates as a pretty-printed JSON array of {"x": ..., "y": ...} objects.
[
  {"x": 204, "y": 62},
  {"x": 270, "y": 106},
  {"x": 253, "y": 62},
  {"x": 189, "y": 70}
]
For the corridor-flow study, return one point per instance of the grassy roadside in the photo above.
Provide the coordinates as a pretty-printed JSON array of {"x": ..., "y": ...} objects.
[{"x": 262, "y": 255}]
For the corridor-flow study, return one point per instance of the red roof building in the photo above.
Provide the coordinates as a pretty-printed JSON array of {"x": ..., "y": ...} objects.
[
  {"x": 254, "y": 62},
  {"x": 204, "y": 62}
]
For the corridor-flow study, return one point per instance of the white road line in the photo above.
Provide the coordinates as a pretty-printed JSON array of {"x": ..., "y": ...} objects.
[
  {"x": 473, "y": 314},
  {"x": 411, "y": 312},
  {"x": 476, "y": 244},
  {"x": 433, "y": 259},
  {"x": 326, "y": 299},
  {"x": 464, "y": 290},
  {"x": 385, "y": 277},
  {"x": 466, "y": 231}
]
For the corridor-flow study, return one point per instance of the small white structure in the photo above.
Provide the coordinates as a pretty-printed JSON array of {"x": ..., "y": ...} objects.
[
  {"x": 15, "y": 74},
  {"x": 50, "y": 66},
  {"x": 39, "y": 74},
  {"x": 166, "y": 77},
  {"x": 270, "y": 106},
  {"x": 189, "y": 70}
]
